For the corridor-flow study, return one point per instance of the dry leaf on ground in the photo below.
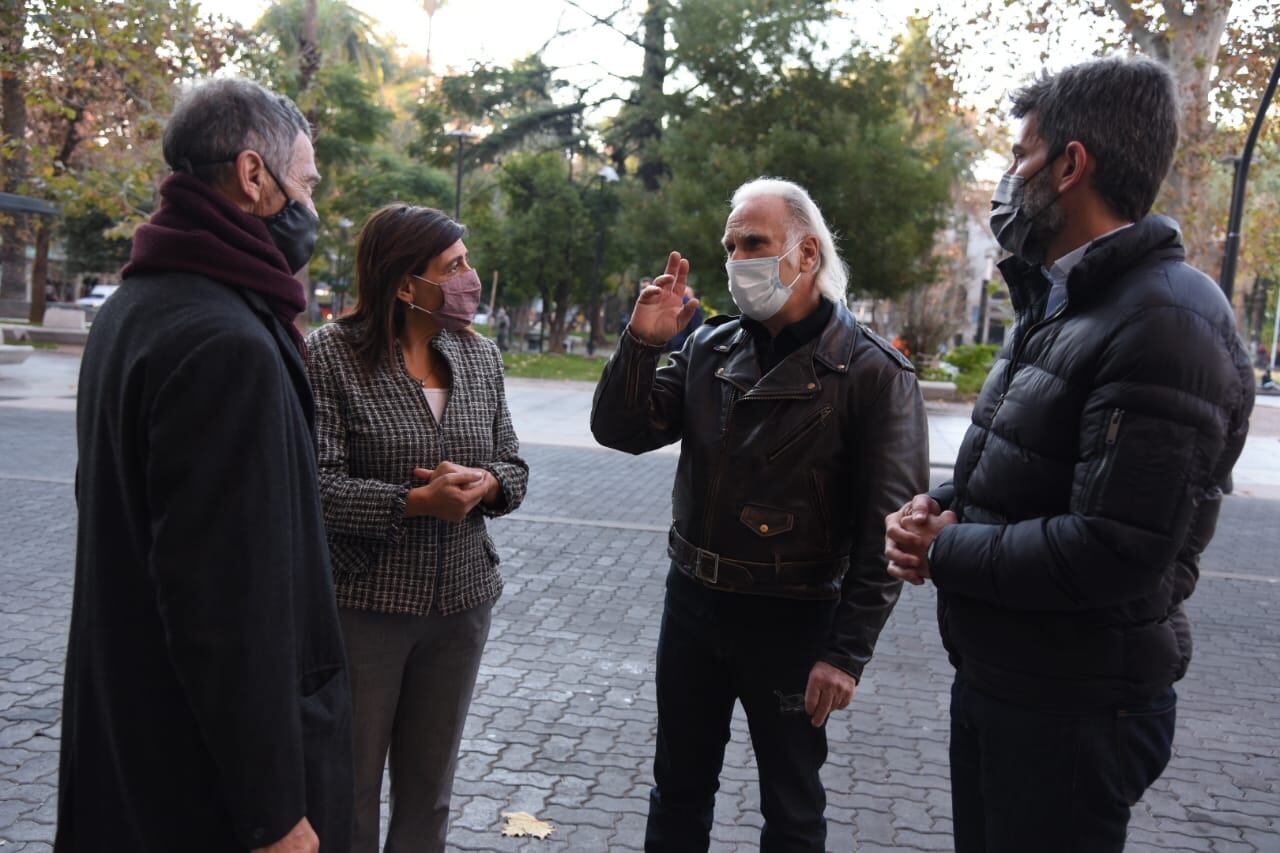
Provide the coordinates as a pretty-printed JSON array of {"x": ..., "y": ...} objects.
[{"x": 522, "y": 824}]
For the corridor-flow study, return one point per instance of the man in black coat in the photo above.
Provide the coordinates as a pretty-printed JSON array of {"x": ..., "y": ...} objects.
[
  {"x": 1090, "y": 481},
  {"x": 206, "y": 705}
]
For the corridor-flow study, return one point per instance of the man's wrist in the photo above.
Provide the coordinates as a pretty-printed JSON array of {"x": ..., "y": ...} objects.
[{"x": 630, "y": 333}]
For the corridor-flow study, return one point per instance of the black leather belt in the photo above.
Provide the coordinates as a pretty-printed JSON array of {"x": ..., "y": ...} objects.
[{"x": 714, "y": 570}]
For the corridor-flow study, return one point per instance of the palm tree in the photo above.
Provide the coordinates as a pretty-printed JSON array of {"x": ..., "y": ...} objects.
[
  {"x": 431, "y": 7},
  {"x": 309, "y": 31}
]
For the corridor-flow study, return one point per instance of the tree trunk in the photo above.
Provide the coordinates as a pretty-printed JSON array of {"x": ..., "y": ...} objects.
[
  {"x": 40, "y": 270},
  {"x": 559, "y": 316},
  {"x": 13, "y": 126},
  {"x": 309, "y": 60},
  {"x": 648, "y": 131},
  {"x": 1189, "y": 49}
]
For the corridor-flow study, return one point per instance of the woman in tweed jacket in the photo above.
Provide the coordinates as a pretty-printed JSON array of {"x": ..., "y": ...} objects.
[{"x": 415, "y": 448}]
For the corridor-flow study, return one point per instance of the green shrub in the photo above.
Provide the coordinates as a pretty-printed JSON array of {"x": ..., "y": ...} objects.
[
  {"x": 974, "y": 363},
  {"x": 973, "y": 357}
]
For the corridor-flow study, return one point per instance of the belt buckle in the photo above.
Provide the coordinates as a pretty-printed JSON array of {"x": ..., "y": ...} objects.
[{"x": 714, "y": 576}]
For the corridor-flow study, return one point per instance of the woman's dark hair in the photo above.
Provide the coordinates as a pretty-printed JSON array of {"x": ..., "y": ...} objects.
[{"x": 397, "y": 240}]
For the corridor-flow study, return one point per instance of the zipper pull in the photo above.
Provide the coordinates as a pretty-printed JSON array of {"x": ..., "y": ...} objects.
[{"x": 1114, "y": 429}]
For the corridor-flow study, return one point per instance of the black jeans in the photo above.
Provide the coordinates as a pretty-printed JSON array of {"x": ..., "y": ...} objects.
[
  {"x": 715, "y": 648},
  {"x": 1027, "y": 779}
]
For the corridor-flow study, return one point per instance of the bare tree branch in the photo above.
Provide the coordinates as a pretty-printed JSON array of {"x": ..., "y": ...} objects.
[
  {"x": 607, "y": 22},
  {"x": 624, "y": 78},
  {"x": 1150, "y": 42}
]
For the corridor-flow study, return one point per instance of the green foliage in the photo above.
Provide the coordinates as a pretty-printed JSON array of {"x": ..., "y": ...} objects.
[
  {"x": 344, "y": 36},
  {"x": 974, "y": 362},
  {"x": 88, "y": 246},
  {"x": 379, "y": 177},
  {"x": 973, "y": 357},
  {"x": 564, "y": 366},
  {"x": 519, "y": 103},
  {"x": 846, "y": 132},
  {"x": 544, "y": 238}
]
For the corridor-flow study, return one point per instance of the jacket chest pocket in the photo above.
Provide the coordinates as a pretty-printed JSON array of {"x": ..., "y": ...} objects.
[{"x": 806, "y": 430}]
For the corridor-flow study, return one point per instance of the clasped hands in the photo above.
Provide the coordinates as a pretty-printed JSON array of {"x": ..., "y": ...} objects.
[
  {"x": 452, "y": 491},
  {"x": 908, "y": 534}
]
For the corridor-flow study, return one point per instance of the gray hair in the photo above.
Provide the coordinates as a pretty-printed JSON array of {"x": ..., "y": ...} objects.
[
  {"x": 216, "y": 120},
  {"x": 806, "y": 220},
  {"x": 1124, "y": 112}
]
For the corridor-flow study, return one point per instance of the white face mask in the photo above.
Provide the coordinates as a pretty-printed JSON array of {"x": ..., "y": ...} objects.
[{"x": 756, "y": 285}]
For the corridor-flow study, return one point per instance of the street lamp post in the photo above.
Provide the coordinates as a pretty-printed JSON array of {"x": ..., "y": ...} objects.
[
  {"x": 461, "y": 136},
  {"x": 1232, "y": 247}
]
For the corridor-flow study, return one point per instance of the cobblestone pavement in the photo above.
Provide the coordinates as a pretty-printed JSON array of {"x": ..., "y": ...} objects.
[{"x": 563, "y": 720}]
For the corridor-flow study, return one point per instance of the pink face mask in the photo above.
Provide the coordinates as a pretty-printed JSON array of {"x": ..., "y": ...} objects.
[{"x": 461, "y": 300}]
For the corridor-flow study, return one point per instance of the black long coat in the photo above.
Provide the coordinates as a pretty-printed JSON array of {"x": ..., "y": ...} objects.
[{"x": 206, "y": 705}]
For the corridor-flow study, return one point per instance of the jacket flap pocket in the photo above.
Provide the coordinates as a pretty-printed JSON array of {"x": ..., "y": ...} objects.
[{"x": 767, "y": 522}]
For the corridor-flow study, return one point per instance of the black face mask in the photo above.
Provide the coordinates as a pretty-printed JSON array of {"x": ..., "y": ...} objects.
[{"x": 293, "y": 229}]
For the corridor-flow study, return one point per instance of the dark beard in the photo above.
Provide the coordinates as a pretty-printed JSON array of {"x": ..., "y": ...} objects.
[{"x": 1041, "y": 205}]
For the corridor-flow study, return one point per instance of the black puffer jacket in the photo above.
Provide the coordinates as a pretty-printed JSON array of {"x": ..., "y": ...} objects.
[{"x": 1089, "y": 481}]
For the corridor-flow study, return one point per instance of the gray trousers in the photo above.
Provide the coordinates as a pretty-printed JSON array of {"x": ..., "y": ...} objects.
[{"x": 411, "y": 683}]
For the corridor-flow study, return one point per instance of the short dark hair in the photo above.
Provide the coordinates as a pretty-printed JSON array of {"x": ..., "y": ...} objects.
[
  {"x": 214, "y": 121},
  {"x": 395, "y": 241},
  {"x": 1124, "y": 112}
]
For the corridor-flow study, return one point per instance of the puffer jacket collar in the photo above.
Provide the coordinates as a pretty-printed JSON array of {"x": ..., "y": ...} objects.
[{"x": 1153, "y": 238}]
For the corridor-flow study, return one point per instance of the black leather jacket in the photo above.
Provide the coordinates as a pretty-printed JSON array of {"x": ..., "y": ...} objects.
[{"x": 784, "y": 481}]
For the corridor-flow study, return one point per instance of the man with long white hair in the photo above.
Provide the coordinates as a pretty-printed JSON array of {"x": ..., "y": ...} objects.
[{"x": 799, "y": 431}]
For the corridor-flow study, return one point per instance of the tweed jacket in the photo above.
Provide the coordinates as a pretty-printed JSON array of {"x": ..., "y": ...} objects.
[{"x": 372, "y": 430}]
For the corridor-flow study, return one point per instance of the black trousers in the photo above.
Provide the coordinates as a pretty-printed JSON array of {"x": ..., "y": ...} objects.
[
  {"x": 1056, "y": 782},
  {"x": 716, "y": 648}
]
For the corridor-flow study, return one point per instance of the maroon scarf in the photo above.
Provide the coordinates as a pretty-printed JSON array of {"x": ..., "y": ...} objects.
[{"x": 198, "y": 230}]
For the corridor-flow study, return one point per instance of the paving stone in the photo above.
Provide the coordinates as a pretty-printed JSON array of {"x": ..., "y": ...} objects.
[{"x": 564, "y": 711}]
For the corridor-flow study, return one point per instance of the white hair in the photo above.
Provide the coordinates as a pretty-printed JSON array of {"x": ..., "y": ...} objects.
[{"x": 806, "y": 220}]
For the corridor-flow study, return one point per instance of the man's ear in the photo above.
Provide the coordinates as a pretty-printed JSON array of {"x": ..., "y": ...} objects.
[
  {"x": 1078, "y": 163},
  {"x": 251, "y": 178},
  {"x": 810, "y": 254}
]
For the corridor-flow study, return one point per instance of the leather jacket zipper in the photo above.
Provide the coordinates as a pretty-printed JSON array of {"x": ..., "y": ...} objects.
[
  {"x": 799, "y": 434},
  {"x": 1108, "y": 454},
  {"x": 715, "y": 482}
]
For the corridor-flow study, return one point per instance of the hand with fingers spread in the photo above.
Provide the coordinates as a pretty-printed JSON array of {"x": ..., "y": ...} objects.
[
  {"x": 451, "y": 492},
  {"x": 908, "y": 534},
  {"x": 661, "y": 311},
  {"x": 830, "y": 689}
]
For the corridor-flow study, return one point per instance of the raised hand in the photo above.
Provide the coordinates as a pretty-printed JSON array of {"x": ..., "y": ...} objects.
[{"x": 661, "y": 311}]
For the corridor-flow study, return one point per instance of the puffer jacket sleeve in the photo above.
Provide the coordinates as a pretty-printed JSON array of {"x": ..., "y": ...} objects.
[
  {"x": 638, "y": 407},
  {"x": 1163, "y": 424},
  {"x": 894, "y": 458},
  {"x": 511, "y": 471},
  {"x": 363, "y": 508}
]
